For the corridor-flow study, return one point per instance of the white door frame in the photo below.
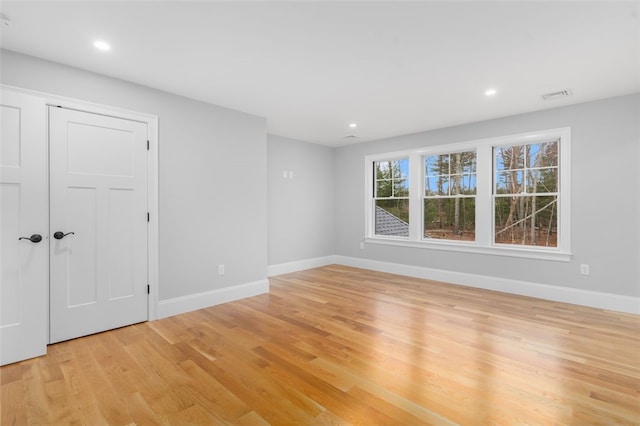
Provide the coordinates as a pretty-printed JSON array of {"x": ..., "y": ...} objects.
[{"x": 152, "y": 178}]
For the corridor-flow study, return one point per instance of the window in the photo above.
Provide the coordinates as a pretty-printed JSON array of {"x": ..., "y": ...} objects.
[
  {"x": 526, "y": 194},
  {"x": 450, "y": 196},
  {"x": 391, "y": 194},
  {"x": 507, "y": 195}
]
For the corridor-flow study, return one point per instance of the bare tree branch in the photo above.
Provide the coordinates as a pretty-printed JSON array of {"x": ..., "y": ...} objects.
[{"x": 525, "y": 218}]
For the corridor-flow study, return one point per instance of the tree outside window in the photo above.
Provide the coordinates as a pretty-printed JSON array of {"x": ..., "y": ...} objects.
[
  {"x": 526, "y": 194},
  {"x": 450, "y": 196},
  {"x": 391, "y": 189}
]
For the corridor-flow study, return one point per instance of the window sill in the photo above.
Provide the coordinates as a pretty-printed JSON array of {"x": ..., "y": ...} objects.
[{"x": 507, "y": 251}]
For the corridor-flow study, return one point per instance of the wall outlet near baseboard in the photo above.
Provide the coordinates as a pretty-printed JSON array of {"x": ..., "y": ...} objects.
[
  {"x": 584, "y": 269},
  {"x": 220, "y": 269}
]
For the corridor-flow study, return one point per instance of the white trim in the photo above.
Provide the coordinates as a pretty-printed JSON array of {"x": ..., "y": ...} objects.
[
  {"x": 153, "y": 253},
  {"x": 484, "y": 195},
  {"x": 299, "y": 265},
  {"x": 153, "y": 176},
  {"x": 505, "y": 140},
  {"x": 79, "y": 104},
  {"x": 369, "y": 222},
  {"x": 614, "y": 302},
  {"x": 472, "y": 247},
  {"x": 192, "y": 302},
  {"x": 416, "y": 206}
]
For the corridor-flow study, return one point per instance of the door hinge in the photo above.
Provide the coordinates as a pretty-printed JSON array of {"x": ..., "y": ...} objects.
[
  {"x": 148, "y": 217},
  {"x": 147, "y": 145},
  {"x": 148, "y": 289}
]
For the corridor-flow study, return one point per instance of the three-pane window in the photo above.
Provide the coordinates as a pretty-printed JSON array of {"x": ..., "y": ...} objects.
[{"x": 501, "y": 195}]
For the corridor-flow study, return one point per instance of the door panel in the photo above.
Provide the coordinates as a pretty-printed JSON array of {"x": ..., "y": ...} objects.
[
  {"x": 111, "y": 154},
  {"x": 121, "y": 243},
  {"x": 10, "y": 152},
  {"x": 98, "y": 191},
  {"x": 23, "y": 212},
  {"x": 79, "y": 254},
  {"x": 11, "y": 248}
]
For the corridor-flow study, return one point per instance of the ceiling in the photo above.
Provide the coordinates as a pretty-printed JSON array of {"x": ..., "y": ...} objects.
[{"x": 312, "y": 68}]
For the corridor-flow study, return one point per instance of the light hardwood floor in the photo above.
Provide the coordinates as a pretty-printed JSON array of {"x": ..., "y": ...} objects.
[{"x": 337, "y": 345}]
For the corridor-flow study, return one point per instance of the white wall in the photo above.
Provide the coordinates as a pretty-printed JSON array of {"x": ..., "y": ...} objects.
[
  {"x": 301, "y": 207},
  {"x": 605, "y": 202},
  {"x": 212, "y": 184}
]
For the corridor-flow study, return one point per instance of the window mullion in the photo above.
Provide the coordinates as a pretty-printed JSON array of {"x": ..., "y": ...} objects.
[
  {"x": 484, "y": 195},
  {"x": 564, "y": 188},
  {"x": 416, "y": 189},
  {"x": 369, "y": 201}
]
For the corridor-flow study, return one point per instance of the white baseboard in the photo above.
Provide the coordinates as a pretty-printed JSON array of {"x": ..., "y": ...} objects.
[
  {"x": 614, "y": 302},
  {"x": 300, "y": 265},
  {"x": 192, "y": 302}
]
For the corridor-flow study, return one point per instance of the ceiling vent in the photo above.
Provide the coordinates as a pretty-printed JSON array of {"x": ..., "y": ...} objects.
[
  {"x": 557, "y": 95},
  {"x": 5, "y": 21}
]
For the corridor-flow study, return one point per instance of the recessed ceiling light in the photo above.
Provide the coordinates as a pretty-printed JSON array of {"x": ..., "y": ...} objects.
[
  {"x": 102, "y": 45},
  {"x": 353, "y": 125},
  {"x": 490, "y": 92}
]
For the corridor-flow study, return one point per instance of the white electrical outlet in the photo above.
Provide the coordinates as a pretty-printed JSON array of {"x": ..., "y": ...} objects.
[
  {"x": 220, "y": 269},
  {"x": 584, "y": 269},
  {"x": 362, "y": 246}
]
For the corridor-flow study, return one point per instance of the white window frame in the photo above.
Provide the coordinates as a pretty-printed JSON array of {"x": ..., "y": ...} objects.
[{"x": 485, "y": 222}]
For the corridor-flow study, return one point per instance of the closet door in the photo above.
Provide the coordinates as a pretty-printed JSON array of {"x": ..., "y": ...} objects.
[
  {"x": 24, "y": 215},
  {"x": 98, "y": 196}
]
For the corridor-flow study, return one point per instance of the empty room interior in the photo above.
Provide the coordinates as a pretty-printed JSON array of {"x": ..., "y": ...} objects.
[{"x": 320, "y": 213}]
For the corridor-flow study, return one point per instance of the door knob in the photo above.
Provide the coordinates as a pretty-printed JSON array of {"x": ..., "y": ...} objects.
[
  {"x": 35, "y": 238},
  {"x": 60, "y": 235}
]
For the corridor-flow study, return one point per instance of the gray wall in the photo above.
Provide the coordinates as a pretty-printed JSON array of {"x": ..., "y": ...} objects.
[
  {"x": 301, "y": 209},
  {"x": 212, "y": 188},
  {"x": 605, "y": 198}
]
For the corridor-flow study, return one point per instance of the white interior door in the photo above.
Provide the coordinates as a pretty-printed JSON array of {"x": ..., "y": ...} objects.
[
  {"x": 24, "y": 272},
  {"x": 98, "y": 201}
]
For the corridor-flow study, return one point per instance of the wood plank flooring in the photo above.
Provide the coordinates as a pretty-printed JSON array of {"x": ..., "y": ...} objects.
[{"x": 336, "y": 346}]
